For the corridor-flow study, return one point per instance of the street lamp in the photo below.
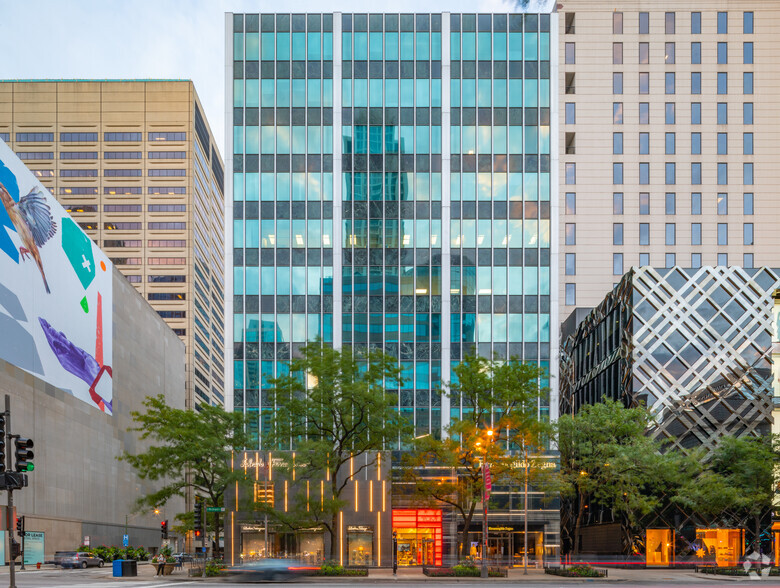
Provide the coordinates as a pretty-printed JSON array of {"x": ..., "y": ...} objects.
[{"x": 484, "y": 569}]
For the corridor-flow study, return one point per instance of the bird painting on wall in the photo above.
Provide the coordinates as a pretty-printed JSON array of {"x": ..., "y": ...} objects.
[{"x": 32, "y": 219}]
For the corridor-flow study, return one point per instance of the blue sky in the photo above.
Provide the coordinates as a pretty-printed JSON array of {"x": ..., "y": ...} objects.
[{"x": 183, "y": 39}]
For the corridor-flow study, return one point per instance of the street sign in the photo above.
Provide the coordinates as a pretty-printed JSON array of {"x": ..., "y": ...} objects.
[
  {"x": 125, "y": 540},
  {"x": 86, "y": 540},
  {"x": 215, "y": 509}
]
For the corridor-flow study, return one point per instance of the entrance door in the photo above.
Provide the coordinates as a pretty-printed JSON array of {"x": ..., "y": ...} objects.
[{"x": 498, "y": 549}]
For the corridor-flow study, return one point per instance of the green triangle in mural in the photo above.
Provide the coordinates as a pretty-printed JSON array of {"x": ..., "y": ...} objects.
[{"x": 85, "y": 304}]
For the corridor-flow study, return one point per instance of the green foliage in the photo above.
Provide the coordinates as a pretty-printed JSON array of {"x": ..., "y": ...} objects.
[
  {"x": 214, "y": 568},
  {"x": 109, "y": 554},
  {"x": 332, "y": 568},
  {"x": 578, "y": 571},
  {"x": 332, "y": 407},
  {"x": 462, "y": 570}
]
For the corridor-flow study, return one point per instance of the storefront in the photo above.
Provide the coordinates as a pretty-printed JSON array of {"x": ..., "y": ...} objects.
[
  {"x": 724, "y": 546},
  {"x": 507, "y": 544},
  {"x": 419, "y": 537},
  {"x": 659, "y": 547},
  {"x": 360, "y": 545}
]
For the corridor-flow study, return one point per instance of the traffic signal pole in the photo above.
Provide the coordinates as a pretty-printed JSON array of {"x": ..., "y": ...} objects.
[{"x": 10, "y": 509}]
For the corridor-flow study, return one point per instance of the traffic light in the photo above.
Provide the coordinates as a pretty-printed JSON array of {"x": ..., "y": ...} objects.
[
  {"x": 164, "y": 529},
  {"x": 20, "y": 525},
  {"x": 23, "y": 455},
  {"x": 198, "y": 516},
  {"x": 2, "y": 443}
]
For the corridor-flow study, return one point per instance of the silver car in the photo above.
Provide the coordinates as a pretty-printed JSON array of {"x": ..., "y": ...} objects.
[
  {"x": 81, "y": 560},
  {"x": 273, "y": 570}
]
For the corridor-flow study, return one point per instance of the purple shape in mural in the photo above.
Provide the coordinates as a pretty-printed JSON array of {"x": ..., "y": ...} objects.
[{"x": 74, "y": 359}]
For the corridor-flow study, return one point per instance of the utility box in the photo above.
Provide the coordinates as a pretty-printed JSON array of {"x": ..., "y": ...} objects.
[{"x": 117, "y": 563}]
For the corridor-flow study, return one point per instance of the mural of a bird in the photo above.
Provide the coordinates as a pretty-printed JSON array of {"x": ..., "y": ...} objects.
[{"x": 32, "y": 219}]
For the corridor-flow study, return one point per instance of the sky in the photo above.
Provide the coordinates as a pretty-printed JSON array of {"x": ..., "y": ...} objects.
[{"x": 155, "y": 39}]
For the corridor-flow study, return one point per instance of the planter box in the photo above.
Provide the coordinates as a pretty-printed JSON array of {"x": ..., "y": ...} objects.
[{"x": 164, "y": 569}]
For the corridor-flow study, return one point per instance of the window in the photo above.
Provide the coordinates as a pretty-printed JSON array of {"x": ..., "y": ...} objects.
[
  {"x": 696, "y": 23},
  {"x": 670, "y": 144},
  {"x": 671, "y": 203},
  {"x": 669, "y": 82},
  {"x": 122, "y": 190},
  {"x": 571, "y": 294},
  {"x": 671, "y": 234},
  {"x": 644, "y": 203},
  {"x": 644, "y": 82},
  {"x": 569, "y": 52},
  {"x": 79, "y": 137},
  {"x": 723, "y": 234},
  {"x": 570, "y": 23},
  {"x": 164, "y": 173},
  {"x": 617, "y": 23},
  {"x": 617, "y": 113},
  {"x": 571, "y": 203},
  {"x": 723, "y": 23},
  {"x": 617, "y": 53},
  {"x": 617, "y": 83},
  {"x": 122, "y": 226},
  {"x": 696, "y": 113},
  {"x": 670, "y": 174},
  {"x": 696, "y": 53},
  {"x": 166, "y": 208},
  {"x": 723, "y": 203},
  {"x": 167, "y": 155},
  {"x": 747, "y": 234},
  {"x": 747, "y": 53},
  {"x": 696, "y": 173},
  {"x": 696, "y": 203},
  {"x": 617, "y": 143},
  {"x": 669, "y": 53},
  {"x": 571, "y": 86},
  {"x": 723, "y": 113},
  {"x": 696, "y": 83},
  {"x": 644, "y": 259},
  {"x": 34, "y": 137},
  {"x": 33, "y": 155},
  {"x": 644, "y": 53},
  {"x": 122, "y": 173},
  {"x": 166, "y": 243},
  {"x": 670, "y": 260},
  {"x": 571, "y": 234},
  {"x": 5, "y": 137},
  {"x": 644, "y": 23},
  {"x": 747, "y": 260},
  {"x": 669, "y": 23},
  {"x": 695, "y": 143},
  {"x": 617, "y": 203},
  {"x": 76, "y": 191},
  {"x": 571, "y": 113},
  {"x": 124, "y": 137},
  {"x": 81, "y": 207},
  {"x": 747, "y": 203},
  {"x": 747, "y": 113},
  {"x": 644, "y": 173},
  {"x": 747, "y": 143},
  {"x": 669, "y": 113},
  {"x": 617, "y": 233},
  {"x": 644, "y": 113},
  {"x": 644, "y": 143},
  {"x": 167, "y": 136},
  {"x": 617, "y": 173},
  {"x": 78, "y": 155},
  {"x": 166, "y": 226},
  {"x": 122, "y": 208},
  {"x": 723, "y": 259},
  {"x": 723, "y": 143},
  {"x": 166, "y": 260},
  {"x": 695, "y": 260},
  {"x": 723, "y": 52},
  {"x": 723, "y": 82},
  {"x": 723, "y": 174},
  {"x": 747, "y": 23},
  {"x": 571, "y": 264},
  {"x": 617, "y": 264},
  {"x": 644, "y": 233},
  {"x": 747, "y": 174},
  {"x": 571, "y": 173},
  {"x": 747, "y": 82},
  {"x": 166, "y": 295},
  {"x": 121, "y": 243},
  {"x": 695, "y": 233},
  {"x": 78, "y": 173},
  {"x": 121, "y": 155}
]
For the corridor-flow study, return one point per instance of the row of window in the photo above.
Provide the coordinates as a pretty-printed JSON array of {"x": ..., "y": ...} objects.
[
  {"x": 670, "y": 115},
  {"x": 129, "y": 226},
  {"x": 670, "y": 143},
  {"x": 121, "y": 190},
  {"x": 670, "y": 84},
  {"x": 670, "y": 234},
  {"x": 670, "y": 53},
  {"x": 670, "y": 203},
  {"x": 670, "y": 173},
  {"x": 152, "y": 261},
  {"x": 119, "y": 173},
  {"x": 150, "y": 243},
  {"x": 93, "y": 137},
  {"x": 670, "y": 24}
]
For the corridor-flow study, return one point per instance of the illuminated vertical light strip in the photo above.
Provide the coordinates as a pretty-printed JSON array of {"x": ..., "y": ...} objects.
[
  {"x": 371, "y": 496},
  {"x": 341, "y": 537},
  {"x": 322, "y": 495},
  {"x": 383, "y": 496},
  {"x": 351, "y": 466},
  {"x": 257, "y": 465},
  {"x": 293, "y": 464},
  {"x": 356, "y": 495},
  {"x": 232, "y": 538},
  {"x": 379, "y": 539},
  {"x": 270, "y": 467},
  {"x": 285, "y": 496},
  {"x": 378, "y": 466},
  {"x": 308, "y": 496}
]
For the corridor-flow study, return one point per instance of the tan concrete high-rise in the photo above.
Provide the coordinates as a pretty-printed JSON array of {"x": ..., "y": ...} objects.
[
  {"x": 135, "y": 163},
  {"x": 668, "y": 139}
]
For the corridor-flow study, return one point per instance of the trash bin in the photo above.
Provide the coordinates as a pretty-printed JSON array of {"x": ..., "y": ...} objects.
[
  {"x": 129, "y": 568},
  {"x": 118, "y": 568}
]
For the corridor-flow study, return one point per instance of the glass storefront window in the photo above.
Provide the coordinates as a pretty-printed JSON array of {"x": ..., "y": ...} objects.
[{"x": 360, "y": 546}]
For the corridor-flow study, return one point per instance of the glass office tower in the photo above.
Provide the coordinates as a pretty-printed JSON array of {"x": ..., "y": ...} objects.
[{"x": 393, "y": 185}]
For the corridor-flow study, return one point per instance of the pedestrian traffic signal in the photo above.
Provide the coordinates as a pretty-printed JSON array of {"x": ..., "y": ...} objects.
[
  {"x": 20, "y": 525},
  {"x": 24, "y": 455},
  {"x": 164, "y": 529},
  {"x": 198, "y": 516},
  {"x": 2, "y": 443}
]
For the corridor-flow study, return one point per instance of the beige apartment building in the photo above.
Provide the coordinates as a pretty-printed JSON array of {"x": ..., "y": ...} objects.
[
  {"x": 668, "y": 138},
  {"x": 136, "y": 165}
]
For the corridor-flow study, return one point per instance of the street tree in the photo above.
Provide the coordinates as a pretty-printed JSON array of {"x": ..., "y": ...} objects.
[
  {"x": 332, "y": 410},
  {"x": 608, "y": 460},
  {"x": 498, "y": 419},
  {"x": 190, "y": 451}
]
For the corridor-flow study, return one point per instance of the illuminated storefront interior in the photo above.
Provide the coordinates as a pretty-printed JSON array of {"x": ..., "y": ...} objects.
[
  {"x": 724, "y": 546},
  {"x": 659, "y": 547},
  {"x": 419, "y": 537}
]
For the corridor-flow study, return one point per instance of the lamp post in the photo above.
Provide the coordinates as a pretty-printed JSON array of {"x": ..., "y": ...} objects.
[
  {"x": 484, "y": 569},
  {"x": 525, "y": 511}
]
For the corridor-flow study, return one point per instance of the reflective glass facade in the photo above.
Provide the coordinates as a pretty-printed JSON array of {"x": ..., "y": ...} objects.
[{"x": 392, "y": 189}]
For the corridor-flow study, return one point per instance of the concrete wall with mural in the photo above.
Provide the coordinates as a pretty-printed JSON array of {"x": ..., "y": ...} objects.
[{"x": 55, "y": 290}]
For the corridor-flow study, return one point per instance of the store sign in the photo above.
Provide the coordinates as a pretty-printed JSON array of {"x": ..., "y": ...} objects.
[
  {"x": 539, "y": 465},
  {"x": 360, "y": 529},
  {"x": 252, "y": 528},
  {"x": 501, "y": 529},
  {"x": 33, "y": 547},
  {"x": 249, "y": 463}
]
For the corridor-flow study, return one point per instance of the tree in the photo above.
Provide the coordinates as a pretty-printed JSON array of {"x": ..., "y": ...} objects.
[
  {"x": 608, "y": 460},
  {"x": 331, "y": 408},
  {"x": 191, "y": 450},
  {"x": 496, "y": 396},
  {"x": 738, "y": 482}
]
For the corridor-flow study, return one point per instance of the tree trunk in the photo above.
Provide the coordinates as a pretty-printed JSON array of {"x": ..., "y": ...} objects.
[
  {"x": 757, "y": 539},
  {"x": 334, "y": 519},
  {"x": 466, "y": 533},
  {"x": 216, "y": 553},
  {"x": 578, "y": 524}
]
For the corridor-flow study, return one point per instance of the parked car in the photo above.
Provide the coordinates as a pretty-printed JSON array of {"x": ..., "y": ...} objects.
[
  {"x": 275, "y": 570},
  {"x": 81, "y": 559},
  {"x": 183, "y": 557},
  {"x": 60, "y": 555}
]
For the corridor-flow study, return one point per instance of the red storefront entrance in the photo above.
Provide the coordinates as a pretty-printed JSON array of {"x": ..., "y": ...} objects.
[{"x": 419, "y": 536}]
